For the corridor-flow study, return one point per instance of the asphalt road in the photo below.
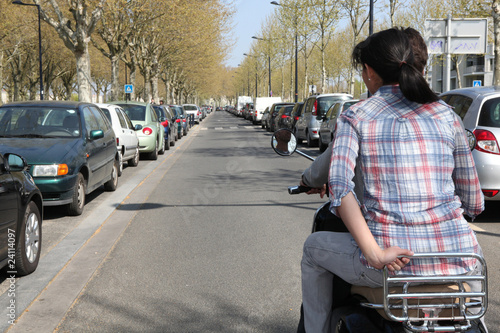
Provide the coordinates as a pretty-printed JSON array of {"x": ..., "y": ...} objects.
[{"x": 206, "y": 239}]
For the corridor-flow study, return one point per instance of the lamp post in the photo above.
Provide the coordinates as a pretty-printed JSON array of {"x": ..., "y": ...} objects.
[
  {"x": 256, "y": 82},
  {"x": 19, "y": 2},
  {"x": 276, "y": 3},
  {"x": 269, "y": 62}
]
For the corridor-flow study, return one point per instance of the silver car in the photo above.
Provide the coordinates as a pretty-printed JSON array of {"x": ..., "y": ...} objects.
[
  {"x": 329, "y": 121},
  {"x": 479, "y": 109},
  {"x": 315, "y": 107}
]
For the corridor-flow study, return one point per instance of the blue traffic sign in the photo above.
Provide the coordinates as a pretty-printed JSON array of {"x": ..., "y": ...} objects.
[
  {"x": 476, "y": 83},
  {"x": 129, "y": 88}
]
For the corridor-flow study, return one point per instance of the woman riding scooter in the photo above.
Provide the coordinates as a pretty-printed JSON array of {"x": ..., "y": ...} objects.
[{"x": 418, "y": 177}]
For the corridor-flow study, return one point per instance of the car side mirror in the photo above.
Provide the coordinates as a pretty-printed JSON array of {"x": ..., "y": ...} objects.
[
  {"x": 15, "y": 162},
  {"x": 96, "y": 134},
  {"x": 138, "y": 127},
  {"x": 284, "y": 142}
]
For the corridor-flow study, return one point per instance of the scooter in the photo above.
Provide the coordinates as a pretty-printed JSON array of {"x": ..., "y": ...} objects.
[{"x": 403, "y": 304}]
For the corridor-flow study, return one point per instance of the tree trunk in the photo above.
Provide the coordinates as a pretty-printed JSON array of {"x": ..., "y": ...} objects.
[
  {"x": 115, "y": 74},
  {"x": 1, "y": 77},
  {"x": 83, "y": 74},
  {"x": 496, "y": 25}
]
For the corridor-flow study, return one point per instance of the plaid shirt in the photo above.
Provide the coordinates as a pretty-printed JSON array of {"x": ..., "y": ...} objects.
[{"x": 418, "y": 176}]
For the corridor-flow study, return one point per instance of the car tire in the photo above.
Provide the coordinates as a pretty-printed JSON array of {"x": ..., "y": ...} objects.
[
  {"x": 162, "y": 150},
  {"x": 29, "y": 244},
  {"x": 75, "y": 208},
  {"x": 135, "y": 161},
  {"x": 112, "y": 184},
  {"x": 167, "y": 145},
  {"x": 154, "y": 154},
  {"x": 322, "y": 146},
  {"x": 310, "y": 142},
  {"x": 120, "y": 163},
  {"x": 172, "y": 143},
  {"x": 179, "y": 135},
  {"x": 296, "y": 132}
]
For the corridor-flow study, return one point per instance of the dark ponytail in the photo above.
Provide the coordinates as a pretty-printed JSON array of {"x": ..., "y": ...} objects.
[{"x": 390, "y": 54}]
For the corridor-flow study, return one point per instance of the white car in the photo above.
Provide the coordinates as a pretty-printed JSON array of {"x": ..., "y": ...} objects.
[
  {"x": 127, "y": 142},
  {"x": 192, "y": 109}
]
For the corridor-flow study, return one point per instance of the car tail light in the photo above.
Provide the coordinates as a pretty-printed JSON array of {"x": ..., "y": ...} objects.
[
  {"x": 183, "y": 120},
  {"x": 147, "y": 130},
  {"x": 296, "y": 118},
  {"x": 177, "y": 120},
  {"x": 165, "y": 123},
  {"x": 486, "y": 142},
  {"x": 117, "y": 141},
  {"x": 284, "y": 116},
  {"x": 315, "y": 108},
  {"x": 490, "y": 193}
]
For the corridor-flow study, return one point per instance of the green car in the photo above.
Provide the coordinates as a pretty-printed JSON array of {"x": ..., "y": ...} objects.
[
  {"x": 70, "y": 148},
  {"x": 151, "y": 136}
]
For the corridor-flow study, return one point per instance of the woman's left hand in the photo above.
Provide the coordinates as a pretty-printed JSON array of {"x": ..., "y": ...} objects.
[{"x": 390, "y": 258}]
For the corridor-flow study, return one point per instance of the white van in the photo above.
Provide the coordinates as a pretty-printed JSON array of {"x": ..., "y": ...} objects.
[
  {"x": 259, "y": 106},
  {"x": 242, "y": 101}
]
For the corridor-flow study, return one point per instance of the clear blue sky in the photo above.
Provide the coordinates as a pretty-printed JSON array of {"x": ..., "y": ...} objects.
[{"x": 247, "y": 22}]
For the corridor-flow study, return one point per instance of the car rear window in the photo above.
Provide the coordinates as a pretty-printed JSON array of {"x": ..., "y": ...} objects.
[
  {"x": 324, "y": 103},
  {"x": 134, "y": 112},
  {"x": 190, "y": 108},
  {"x": 490, "y": 113}
]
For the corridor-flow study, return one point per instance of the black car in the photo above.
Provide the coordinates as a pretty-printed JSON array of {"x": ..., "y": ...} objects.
[
  {"x": 273, "y": 112},
  {"x": 296, "y": 112},
  {"x": 21, "y": 212},
  {"x": 70, "y": 148},
  {"x": 284, "y": 118}
]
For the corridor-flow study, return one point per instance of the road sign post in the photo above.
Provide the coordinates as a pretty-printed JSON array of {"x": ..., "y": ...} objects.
[{"x": 455, "y": 36}]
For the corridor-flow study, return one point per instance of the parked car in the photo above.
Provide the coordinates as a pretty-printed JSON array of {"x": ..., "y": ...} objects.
[
  {"x": 273, "y": 113},
  {"x": 69, "y": 146},
  {"x": 479, "y": 109},
  {"x": 307, "y": 126},
  {"x": 260, "y": 105},
  {"x": 329, "y": 122},
  {"x": 127, "y": 142},
  {"x": 284, "y": 117},
  {"x": 296, "y": 112},
  {"x": 264, "y": 121},
  {"x": 181, "y": 119},
  {"x": 21, "y": 216},
  {"x": 168, "y": 122},
  {"x": 193, "y": 111},
  {"x": 151, "y": 136}
]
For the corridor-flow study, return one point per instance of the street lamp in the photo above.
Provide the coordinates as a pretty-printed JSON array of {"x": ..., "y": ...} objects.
[
  {"x": 269, "y": 61},
  {"x": 256, "y": 82},
  {"x": 19, "y": 2},
  {"x": 276, "y": 3}
]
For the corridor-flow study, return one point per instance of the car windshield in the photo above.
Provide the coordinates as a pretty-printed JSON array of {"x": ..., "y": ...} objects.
[
  {"x": 490, "y": 113},
  {"x": 324, "y": 103},
  {"x": 134, "y": 112},
  {"x": 38, "y": 122},
  {"x": 190, "y": 107}
]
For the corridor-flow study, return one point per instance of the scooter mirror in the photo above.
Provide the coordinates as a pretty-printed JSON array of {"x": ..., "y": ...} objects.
[
  {"x": 472, "y": 139},
  {"x": 284, "y": 142}
]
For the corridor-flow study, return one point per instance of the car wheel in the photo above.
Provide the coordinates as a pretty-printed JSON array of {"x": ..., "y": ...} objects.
[
  {"x": 162, "y": 150},
  {"x": 296, "y": 132},
  {"x": 112, "y": 184},
  {"x": 322, "y": 146},
  {"x": 179, "y": 135},
  {"x": 120, "y": 163},
  {"x": 29, "y": 244},
  {"x": 310, "y": 142},
  {"x": 135, "y": 161},
  {"x": 167, "y": 145},
  {"x": 172, "y": 143},
  {"x": 154, "y": 154},
  {"x": 76, "y": 206}
]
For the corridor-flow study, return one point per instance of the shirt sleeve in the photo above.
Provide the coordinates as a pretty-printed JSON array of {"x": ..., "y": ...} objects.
[
  {"x": 467, "y": 185},
  {"x": 343, "y": 161},
  {"x": 317, "y": 174}
]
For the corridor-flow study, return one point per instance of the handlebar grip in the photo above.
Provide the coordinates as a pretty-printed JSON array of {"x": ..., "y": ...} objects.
[{"x": 298, "y": 189}]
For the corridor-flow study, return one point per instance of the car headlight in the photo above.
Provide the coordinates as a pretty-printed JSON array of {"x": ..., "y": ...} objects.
[{"x": 50, "y": 170}]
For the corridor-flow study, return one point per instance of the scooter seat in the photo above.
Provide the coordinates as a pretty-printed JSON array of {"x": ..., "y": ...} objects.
[{"x": 375, "y": 298}]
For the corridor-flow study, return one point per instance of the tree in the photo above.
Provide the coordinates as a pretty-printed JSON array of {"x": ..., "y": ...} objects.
[{"x": 75, "y": 33}]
